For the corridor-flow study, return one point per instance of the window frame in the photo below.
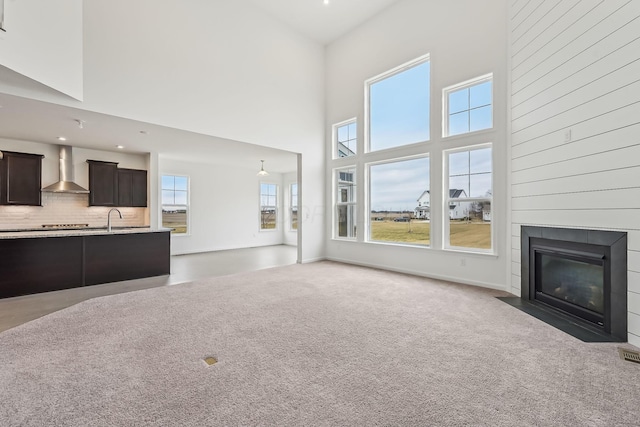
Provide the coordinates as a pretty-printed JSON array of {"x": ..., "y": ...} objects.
[
  {"x": 460, "y": 86},
  {"x": 337, "y": 204},
  {"x": 367, "y": 102},
  {"x": 291, "y": 205},
  {"x": 446, "y": 222},
  {"x": 367, "y": 236},
  {"x": 334, "y": 131},
  {"x": 188, "y": 205},
  {"x": 277, "y": 211}
]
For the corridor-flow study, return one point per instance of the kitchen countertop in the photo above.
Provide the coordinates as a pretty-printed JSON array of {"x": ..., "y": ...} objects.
[{"x": 28, "y": 233}]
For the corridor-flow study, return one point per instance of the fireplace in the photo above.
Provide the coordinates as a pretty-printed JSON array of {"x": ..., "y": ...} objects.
[{"x": 578, "y": 273}]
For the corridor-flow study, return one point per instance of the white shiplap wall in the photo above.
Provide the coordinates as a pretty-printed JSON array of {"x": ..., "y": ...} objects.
[{"x": 575, "y": 123}]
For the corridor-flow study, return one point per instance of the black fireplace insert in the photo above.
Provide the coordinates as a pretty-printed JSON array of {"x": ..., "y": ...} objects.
[{"x": 580, "y": 273}]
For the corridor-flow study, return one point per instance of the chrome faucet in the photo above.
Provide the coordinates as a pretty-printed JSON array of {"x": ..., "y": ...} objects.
[{"x": 109, "y": 218}]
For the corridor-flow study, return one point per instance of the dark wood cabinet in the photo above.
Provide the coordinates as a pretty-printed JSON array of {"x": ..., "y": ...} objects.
[
  {"x": 42, "y": 264},
  {"x": 20, "y": 179},
  {"x": 113, "y": 186},
  {"x": 37, "y": 265},
  {"x": 103, "y": 183},
  {"x": 132, "y": 187}
]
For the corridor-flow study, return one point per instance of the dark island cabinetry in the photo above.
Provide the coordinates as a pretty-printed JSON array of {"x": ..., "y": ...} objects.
[
  {"x": 42, "y": 264},
  {"x": 20, "y": 179},
  {"x": 32, "y": 266}
]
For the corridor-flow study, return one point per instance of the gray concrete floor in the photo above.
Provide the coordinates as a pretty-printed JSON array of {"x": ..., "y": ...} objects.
[{"x": 184, "y": 268}]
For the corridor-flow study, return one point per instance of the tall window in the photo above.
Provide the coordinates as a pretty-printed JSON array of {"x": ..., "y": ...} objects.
[
  {"x": 268, "y": 206},
  {"x": 468, "y": 106},
  {"x": 175, "y": 203},
  {"x": 470, "y": 193},
  {"x": 345, "y": 203},
  {"x": 293, "y": 206},
  {"x": 397, "y": 190},
  {"x": 346, "y": 138},
  {"x": 399, "y": 106}
]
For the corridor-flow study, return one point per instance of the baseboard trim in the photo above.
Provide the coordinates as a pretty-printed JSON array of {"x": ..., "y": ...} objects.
[{"x": 422, "y": 274}]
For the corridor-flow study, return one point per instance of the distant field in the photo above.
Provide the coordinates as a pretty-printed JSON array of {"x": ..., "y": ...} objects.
[
  {"x": 470, "y": 235},
  {"x": 177, "y": 221}
]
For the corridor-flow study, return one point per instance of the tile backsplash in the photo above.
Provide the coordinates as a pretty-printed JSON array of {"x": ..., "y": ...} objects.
[{"x": 64, "y": 208}]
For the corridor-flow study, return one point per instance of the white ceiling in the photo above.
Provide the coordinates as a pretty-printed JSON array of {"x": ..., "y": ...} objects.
[
  {"x": 320, "y": 22},
  {"x": 29, "y": 120}
]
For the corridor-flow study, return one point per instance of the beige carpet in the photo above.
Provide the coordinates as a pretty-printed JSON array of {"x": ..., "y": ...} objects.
[{"x": 317, "y": 344}]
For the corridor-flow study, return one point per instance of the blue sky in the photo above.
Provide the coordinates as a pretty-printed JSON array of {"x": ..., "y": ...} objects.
[{"x": 400, "y": 109}]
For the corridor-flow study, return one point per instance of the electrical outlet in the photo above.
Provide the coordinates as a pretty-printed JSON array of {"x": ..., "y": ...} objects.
[
  {"x": 567, "y": 135},
  {"x": 463, "y": 262}
]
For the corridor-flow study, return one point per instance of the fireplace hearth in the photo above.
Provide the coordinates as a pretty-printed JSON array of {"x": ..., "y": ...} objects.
[{"x": 579, "y": 274}]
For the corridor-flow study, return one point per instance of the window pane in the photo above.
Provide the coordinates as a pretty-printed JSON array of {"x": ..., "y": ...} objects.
[
  {"x": 459, "y": 163},
  {"x": 268, "y": 206},
  {"x": 458, "y": 101},
  {"x": 175, "y": 217},
  {"x": 459, "y": 123},
  {"x": 480, "y": 94},
  {"x": 294, "y": 195},
  {"x": 181, "y": 183},
  {"x": 459, "y": 186},
  {"x": 167, "y": 197},
  {"x": 395, "y": 192},
  {"x": 480, "y": 160},
  {"x": 347, "y": 221},
  {"x": 472, "y": 230},
  {"x": 480, "y": 185},
  {"x": 347, "y": 140},
  {"x": 481, "y": 118},
  {"x": 181, "y": 197},
  {"x": 346, "y": 186},
  {"x": 168, "y": 182},
  {"x": 399, "y": 108}
]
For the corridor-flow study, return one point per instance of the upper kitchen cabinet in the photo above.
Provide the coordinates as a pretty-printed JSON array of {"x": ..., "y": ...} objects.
[
  {"x": 103, "y": 183},
  {"x": 132, "y": 188},
  {"x": 20, "y": 179}
]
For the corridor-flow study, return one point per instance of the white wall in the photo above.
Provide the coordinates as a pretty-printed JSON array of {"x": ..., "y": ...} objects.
[
  {"x": 59, "y": 208},
  {"x": 224, "y": 207},
  {"x": 43, "y": 41},
  {"x": 465, "y": 39},
  {"x": 216, "y": 67},
  {"x": 575, "y": 67}
]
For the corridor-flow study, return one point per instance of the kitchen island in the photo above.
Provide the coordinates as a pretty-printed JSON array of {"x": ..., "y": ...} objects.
[{"x": 41, "y": 261}]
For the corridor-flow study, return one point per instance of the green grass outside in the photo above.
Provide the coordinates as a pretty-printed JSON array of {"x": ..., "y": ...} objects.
[{"x": 463, "y": 234}]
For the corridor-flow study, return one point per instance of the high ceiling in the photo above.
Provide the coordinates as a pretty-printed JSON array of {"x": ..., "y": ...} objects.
[
  {"x": 30, "y": 120},
  {"x": 320, "y": 22}
]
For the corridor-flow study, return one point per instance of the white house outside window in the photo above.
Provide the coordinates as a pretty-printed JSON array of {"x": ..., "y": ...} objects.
[
  {"x": 175, "y": 203},
  {"x": 345, "y": 135},
  {"x": 470, "y": 194},
  {"x": 293, "y": 206}
]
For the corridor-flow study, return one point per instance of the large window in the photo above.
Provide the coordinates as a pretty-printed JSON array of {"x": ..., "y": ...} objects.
[
  {"x": 470, "y": 193},
  {"x": 346, "y": 137},
  {"x": 399, "y": 106},
  {"x": 345, "y": 203},
  {"x": 268, "y": 206},
  {"x": 468, "y": 106},
  {"x": 396, "y": 189},
  {"x": 293, "y": 206},
  {"x": 175, "y": 203}
]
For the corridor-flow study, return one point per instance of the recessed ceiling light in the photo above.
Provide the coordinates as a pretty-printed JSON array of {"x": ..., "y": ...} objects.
[
  {"x": 326, "y": 1},
  {"x": 120, "y": 147},
  {"x": 62, "y": 138}
]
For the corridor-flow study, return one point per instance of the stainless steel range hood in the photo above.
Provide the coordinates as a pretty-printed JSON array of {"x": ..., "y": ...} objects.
[{"x": 65, "y": 184}]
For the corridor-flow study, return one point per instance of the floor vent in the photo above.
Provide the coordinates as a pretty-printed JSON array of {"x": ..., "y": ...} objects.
[{"x": 629, "y": 355}]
